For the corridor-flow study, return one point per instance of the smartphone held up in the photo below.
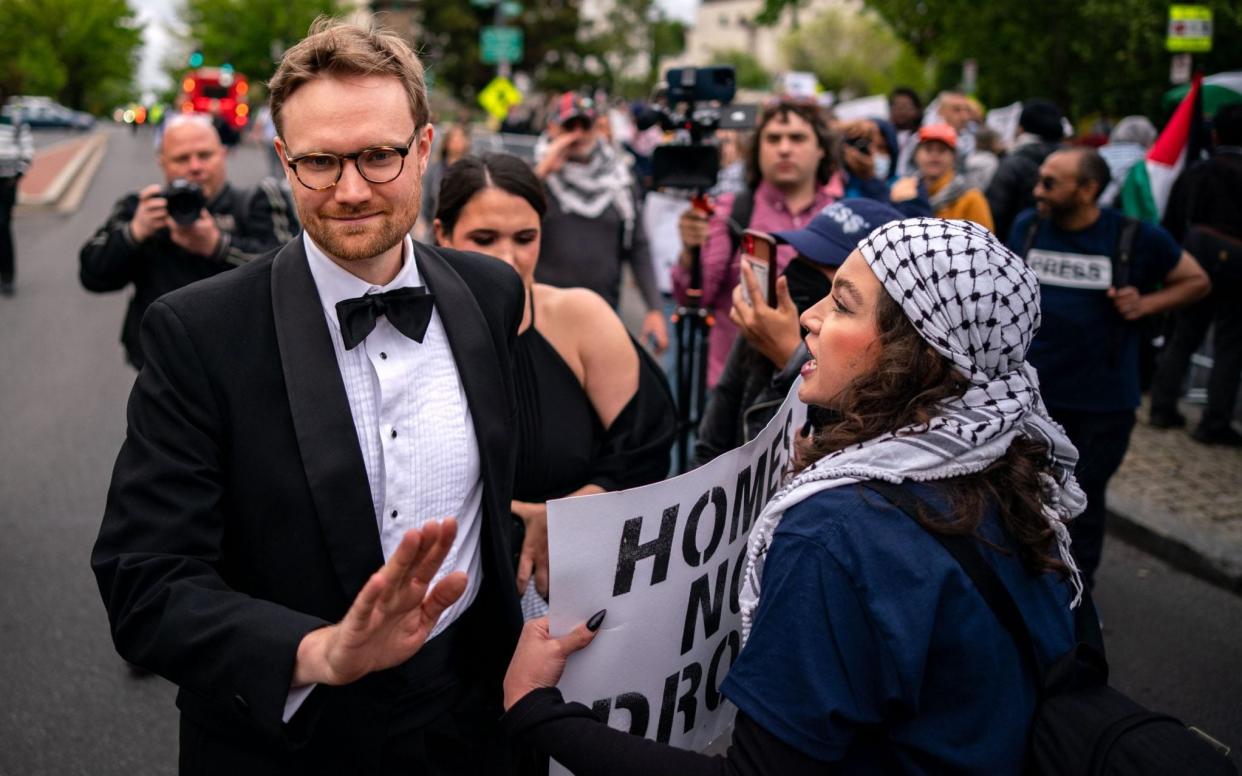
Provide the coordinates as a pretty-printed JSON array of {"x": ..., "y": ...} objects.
[{"x": 759, "y": 251}]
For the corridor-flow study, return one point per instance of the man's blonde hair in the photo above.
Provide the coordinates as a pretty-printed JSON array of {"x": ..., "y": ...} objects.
[{"x": 334, "y": 48}]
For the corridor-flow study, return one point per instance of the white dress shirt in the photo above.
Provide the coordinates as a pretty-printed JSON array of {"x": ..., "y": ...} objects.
[{"x": 413, "y": 424}]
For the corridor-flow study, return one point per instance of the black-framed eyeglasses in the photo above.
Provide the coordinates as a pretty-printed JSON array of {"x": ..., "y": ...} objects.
[{"x": 322, "y": 170}]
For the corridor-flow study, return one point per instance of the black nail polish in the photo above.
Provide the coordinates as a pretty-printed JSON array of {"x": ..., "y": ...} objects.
[{"x": 596, "y": 620}]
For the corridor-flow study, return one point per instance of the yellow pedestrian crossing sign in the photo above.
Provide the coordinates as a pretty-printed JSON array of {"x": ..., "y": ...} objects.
[{"x": 498, "y": 96}]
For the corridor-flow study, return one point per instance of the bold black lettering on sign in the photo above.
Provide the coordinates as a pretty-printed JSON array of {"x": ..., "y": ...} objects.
[
  {"x": 747, "y": 496},
  {"x": 780, "y": 444},
  {"x": 690, "y": 539},
  {"x": 630, "y": 552},
  {"x": 701, "y": 599},
  {"x": 633, "y": 702},
  {"x": 687, "y": 705}
]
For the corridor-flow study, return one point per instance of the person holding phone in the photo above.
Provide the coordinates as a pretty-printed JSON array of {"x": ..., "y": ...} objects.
[
  {"x": 765, "y": 360},
  {"x": 867, "y": 152},
  {"x": 790, "y": 176},
  {"x": 866, "y": 647}
]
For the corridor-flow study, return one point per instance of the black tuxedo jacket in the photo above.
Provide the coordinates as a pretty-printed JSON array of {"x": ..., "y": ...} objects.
[{"x": 240, "y": 517}]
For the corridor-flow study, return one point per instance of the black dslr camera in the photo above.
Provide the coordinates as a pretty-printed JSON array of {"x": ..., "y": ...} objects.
[
  {"x": 698, "y": 101},
  {"x": 185, "y": 201}
]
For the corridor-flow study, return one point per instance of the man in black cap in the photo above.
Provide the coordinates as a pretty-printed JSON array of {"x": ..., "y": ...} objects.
[
  {"x": 766, "y": 359},
  {"x": 1011, "y": 190},
  {"x": 594, "y": 219}
]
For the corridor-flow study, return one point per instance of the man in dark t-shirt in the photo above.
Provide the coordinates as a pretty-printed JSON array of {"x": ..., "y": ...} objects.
[{"x": 1087, "y": 347}]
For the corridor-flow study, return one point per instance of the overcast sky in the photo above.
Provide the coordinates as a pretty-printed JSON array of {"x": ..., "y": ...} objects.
[{"x": 159, "y": 14}]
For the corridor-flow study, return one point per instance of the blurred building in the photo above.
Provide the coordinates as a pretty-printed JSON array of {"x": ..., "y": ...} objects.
[{"x": 729, "y": 25}]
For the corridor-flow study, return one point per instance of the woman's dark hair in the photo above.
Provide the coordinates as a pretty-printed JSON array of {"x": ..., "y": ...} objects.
[
  {"x": 905, "y": 91},
  {"x": 905, "y": 388},
  {"x": 810, "y": 113},
  {"x": 471, "y": 174}
]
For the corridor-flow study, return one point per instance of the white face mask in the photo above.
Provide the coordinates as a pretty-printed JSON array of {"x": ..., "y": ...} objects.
[{"x": 883, "y": 165}]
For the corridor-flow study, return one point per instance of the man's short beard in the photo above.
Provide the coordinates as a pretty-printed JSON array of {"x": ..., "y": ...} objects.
[
  {"x": 397, "y": 223},
  {"x": 1060, "y": 213},
  {"x": 377, "y": 243}
]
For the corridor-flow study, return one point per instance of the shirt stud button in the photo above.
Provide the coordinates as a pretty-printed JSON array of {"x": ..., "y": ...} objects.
[
  {"x": 383, "y": 355},
  {"x": 394, "y": 433},
  {"x": 394, "y": 513}
]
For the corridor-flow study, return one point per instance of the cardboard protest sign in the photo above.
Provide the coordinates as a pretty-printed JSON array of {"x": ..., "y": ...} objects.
[{"x": 667, "y": 561}]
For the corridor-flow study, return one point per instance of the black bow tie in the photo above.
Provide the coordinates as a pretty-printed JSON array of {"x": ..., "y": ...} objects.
[{"x": 409, "y": 309}]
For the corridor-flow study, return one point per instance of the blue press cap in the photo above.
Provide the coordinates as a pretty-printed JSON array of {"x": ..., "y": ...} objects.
[{"x": 837, "y": 230}]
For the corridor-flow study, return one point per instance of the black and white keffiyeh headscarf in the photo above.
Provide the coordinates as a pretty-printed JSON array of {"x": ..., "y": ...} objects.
[
  {"x": 977, "y": 304},
  {"x": 588, "y": 186}
]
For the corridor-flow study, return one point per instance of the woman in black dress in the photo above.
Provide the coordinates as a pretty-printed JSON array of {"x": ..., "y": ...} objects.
[{"x": 594, "y": 411}]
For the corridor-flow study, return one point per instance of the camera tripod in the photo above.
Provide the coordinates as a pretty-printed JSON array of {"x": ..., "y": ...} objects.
[{"x": 691, "y": 324}]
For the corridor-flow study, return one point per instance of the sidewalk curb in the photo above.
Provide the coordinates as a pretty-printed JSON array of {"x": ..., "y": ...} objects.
[
  {"x": 1173, "y": 540},
  {"x": 71, "y": 199},
  {"x": 67, "y": 173}
]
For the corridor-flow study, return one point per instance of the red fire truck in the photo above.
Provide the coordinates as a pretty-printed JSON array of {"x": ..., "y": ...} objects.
[{"x": 217, "y": 91}]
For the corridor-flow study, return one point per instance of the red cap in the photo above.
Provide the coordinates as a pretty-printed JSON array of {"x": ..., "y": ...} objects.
[{"x": 941, "y": 133}]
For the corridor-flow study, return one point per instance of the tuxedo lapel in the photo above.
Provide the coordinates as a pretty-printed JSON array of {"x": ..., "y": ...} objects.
[{"x": 323, "y": 422}]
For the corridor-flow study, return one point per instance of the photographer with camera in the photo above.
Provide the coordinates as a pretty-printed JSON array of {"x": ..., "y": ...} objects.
[
  {"x": 789, "y": 176},
  {"x": 193, "y": 226}
]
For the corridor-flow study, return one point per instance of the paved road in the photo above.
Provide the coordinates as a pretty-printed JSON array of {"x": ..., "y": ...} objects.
[{"x": 69, "y": 704}]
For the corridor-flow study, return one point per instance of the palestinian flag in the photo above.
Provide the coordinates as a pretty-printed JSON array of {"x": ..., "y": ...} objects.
[{"x": 1146, "y": 190}]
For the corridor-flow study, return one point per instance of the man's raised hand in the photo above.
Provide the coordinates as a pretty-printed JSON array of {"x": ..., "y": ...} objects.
[{"x": 392, "y": 615}]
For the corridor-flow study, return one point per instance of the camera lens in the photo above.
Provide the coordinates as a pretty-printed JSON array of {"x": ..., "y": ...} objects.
[{"x": 185, "y": 201}]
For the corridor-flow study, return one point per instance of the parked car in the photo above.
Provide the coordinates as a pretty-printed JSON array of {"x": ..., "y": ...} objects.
[{"x": 41, "y": 112}]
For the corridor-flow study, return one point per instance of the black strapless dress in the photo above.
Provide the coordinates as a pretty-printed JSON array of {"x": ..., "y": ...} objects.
[{"x": 562, "y": 445}]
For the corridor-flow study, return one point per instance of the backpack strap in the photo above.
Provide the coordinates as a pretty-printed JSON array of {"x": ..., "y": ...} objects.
[
  {"x": 968, "y": 557},
  {"x": 1086, "y": 621},
  {"x": 739, "y": 217},
  {"x": 1032, "y": 231},
  {"x": 1124, "y": 251}
]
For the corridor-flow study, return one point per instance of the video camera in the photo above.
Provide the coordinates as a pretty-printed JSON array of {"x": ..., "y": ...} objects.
[
  {"x": 698, "y": 102},
  {"x": 185, "y": 201}
]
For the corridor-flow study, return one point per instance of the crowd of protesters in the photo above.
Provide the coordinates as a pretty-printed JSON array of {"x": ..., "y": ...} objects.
[{"x": 964, "y": 310}]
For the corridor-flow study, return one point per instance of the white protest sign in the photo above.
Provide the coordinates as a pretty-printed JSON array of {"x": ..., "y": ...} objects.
[
  {"x": 872, "y": 107},
  {"x": 1005, "y": 122},
  {"x": 666, "y": 561}
]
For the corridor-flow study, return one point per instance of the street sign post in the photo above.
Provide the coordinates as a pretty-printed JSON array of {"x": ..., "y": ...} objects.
[
  {"x": 500, "y": 44},
  {"x": 498, "y": 96},
  {"x": 1179, "y": 69},
  {"x": 1190, "y": 29}
]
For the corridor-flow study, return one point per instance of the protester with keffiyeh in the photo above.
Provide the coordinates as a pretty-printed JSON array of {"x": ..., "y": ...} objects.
[
  {"x": 594, "y": 220},
  {"x": 867, "y": 648}
]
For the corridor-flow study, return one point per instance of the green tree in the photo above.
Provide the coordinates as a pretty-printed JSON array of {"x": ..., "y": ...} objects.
[
  {"x": 749, "y": 72},
  {"x": 772, "y": 10},
  {"x": 864, "y": 56},
  {"x": 250, "y": 35},
  {"x": 82, "y": 52},
  {"x": 633, "y": 33},
  {"x": 1088, "y": 55},
  {"x": 449, "y": 46}
]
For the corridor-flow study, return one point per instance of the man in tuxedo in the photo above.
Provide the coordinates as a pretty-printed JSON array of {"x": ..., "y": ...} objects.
[{"x": 270, "y": 542}]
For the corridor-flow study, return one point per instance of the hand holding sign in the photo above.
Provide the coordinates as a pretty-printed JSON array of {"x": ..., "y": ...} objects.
[
  {"x": 539, "y": 659},
  {"x": 668, "y": 560},
  {"x": 533, "y": 560}
]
